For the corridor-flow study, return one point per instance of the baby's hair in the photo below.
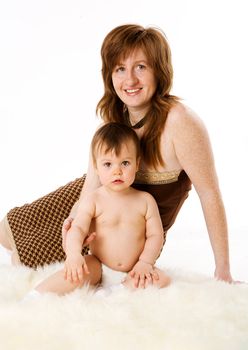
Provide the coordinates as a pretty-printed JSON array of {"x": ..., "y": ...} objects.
[{"x": 112, "y": 136}]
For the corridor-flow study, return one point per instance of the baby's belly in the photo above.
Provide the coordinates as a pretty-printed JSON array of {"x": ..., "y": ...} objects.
[{"x": 118, "y": 253}]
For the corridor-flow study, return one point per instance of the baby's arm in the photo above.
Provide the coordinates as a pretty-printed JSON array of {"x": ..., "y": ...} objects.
[
  {"x": 75, "y": 265},
  {"x": 154, "y": 233},
  {"x": 144, "y": 268},
  {"x": 91, "y": 183}
]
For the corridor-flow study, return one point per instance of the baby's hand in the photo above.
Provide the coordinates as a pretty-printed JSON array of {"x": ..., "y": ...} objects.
[
  {"x": 143, "y": 274},
  {"x": 75, "y": 268}
]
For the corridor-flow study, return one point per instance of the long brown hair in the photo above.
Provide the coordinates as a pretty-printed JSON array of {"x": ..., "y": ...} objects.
[{"x": 117, "y": 45}]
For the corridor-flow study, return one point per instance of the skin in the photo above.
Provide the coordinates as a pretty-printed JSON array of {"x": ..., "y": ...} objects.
[
  {"x": 134, "y": 82},
  {"x": 185, "y": 145},
  {"x": 124, "y": 220}
]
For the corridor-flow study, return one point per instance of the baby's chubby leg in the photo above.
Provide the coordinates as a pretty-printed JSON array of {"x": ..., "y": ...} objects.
[
  {"x": 162, "y": 281},
  {"x": 56, "y": 283}
]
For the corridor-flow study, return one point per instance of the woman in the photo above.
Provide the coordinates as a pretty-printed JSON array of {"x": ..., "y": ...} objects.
[{"x": 176, "y": 151}]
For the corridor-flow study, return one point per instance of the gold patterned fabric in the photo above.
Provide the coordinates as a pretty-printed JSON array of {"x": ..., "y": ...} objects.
[
  {"x": 37, "y": 227},
  {"x": 156, "y": 178}
]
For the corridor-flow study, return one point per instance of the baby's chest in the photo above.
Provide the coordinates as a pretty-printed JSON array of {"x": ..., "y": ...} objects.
[{"x": 118, "y": 217}]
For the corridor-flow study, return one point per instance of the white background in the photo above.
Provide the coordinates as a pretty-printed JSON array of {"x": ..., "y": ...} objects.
[{"x": 50, "y": 83}]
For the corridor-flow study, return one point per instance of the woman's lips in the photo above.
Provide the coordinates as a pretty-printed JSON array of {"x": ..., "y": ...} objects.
[{"x": 132, "y": 91}]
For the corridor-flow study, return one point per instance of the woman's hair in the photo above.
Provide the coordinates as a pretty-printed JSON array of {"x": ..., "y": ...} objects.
[
  {"x": 111, "y": 137},
  {"x": 118, "y": 44}
]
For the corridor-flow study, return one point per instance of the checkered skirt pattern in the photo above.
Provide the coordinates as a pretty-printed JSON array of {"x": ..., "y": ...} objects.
[{"x": 37, "y": 227}]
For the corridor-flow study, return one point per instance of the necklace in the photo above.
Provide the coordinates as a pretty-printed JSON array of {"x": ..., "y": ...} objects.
[{"x": 137, "y": 125}]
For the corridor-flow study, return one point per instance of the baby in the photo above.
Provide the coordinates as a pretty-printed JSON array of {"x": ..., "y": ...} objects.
[{"x": 129, "y": 232}]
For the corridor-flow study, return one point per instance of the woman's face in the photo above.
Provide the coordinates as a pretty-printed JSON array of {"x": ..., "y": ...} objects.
[{"x": 134, "y": 82}]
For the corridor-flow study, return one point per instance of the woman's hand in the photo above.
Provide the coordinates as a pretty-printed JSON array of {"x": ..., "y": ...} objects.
[
  {"x": 223, "y": 275},
  {"x": 143, "y": 274},
  {"x": 66, "y": 227}
]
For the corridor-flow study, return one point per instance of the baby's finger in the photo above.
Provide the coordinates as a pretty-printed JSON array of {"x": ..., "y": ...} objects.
[
  {"x": 147, "y": 282},
  {"x": 74, "y": 276},
  {"x": 136, "y": 281},
  {"x": 69, "y": 276},
  {"x": 148, "y": 279},
  {"x": 142, "y": 281},
  {"x": 80, "y": 274}
]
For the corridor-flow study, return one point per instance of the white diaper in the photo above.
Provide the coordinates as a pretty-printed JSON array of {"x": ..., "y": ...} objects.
[{"x": 111, "y": 277}]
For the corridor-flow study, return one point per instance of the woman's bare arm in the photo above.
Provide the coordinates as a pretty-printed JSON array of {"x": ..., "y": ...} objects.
[{"x": 194, "y": 153}]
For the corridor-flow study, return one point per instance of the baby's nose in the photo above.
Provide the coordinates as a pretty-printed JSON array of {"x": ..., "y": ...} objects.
[{"x": 117, "y": 170}]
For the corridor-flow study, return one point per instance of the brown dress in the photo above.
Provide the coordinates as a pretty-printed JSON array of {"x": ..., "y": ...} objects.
[{"x": 36, "y": 227}]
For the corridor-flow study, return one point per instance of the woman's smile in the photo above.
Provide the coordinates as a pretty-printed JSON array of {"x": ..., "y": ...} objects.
[
  {"x": 134, "y": 81},
  {"x": 133, "y": 91}
]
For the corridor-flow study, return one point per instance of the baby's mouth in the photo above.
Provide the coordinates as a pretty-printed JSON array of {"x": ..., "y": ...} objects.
[{"x": 118, "y": 181}]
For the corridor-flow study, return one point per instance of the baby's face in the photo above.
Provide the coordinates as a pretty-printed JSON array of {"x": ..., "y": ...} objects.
[{"x": 117, "y": 172}]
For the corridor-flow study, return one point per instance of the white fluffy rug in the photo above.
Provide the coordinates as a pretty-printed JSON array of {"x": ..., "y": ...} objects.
[{"x": 194, "y": 313}]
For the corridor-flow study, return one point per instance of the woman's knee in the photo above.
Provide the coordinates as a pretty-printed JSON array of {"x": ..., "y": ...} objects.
[
  {"x": 15, "y": 260},
  {"x": 4, "y": 241}
]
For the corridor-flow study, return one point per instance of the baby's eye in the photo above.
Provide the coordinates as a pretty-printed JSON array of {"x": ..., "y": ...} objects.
[
  {"x": 125, "y": 163},
  {"x": 107, "y": 164}
]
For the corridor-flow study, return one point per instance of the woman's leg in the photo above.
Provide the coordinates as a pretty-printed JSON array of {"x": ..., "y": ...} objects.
[
  {"x": 36, "y": 227},
  {"x": 4, "y": 240},
  {"x": 7, "y": 241},
  {"x": 57, "y": 284}
]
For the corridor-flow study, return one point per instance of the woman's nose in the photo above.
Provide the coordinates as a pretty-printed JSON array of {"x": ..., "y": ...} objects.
[{"x": 131, "y": 77}]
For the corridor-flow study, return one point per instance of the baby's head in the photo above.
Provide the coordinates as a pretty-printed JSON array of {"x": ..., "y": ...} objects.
[{"x": 111, "y": 137}]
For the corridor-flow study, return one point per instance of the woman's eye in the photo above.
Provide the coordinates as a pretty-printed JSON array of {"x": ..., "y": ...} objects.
[
  {"x": 120, "y": 69},
  {"x": 126, "y": 163},
  {"x": 141, "y": 67}
]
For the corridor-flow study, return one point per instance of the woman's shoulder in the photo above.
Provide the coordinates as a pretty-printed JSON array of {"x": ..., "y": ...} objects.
[
  {"x": 182, "y": 117},
  {"x": 180, "y": 112}
]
